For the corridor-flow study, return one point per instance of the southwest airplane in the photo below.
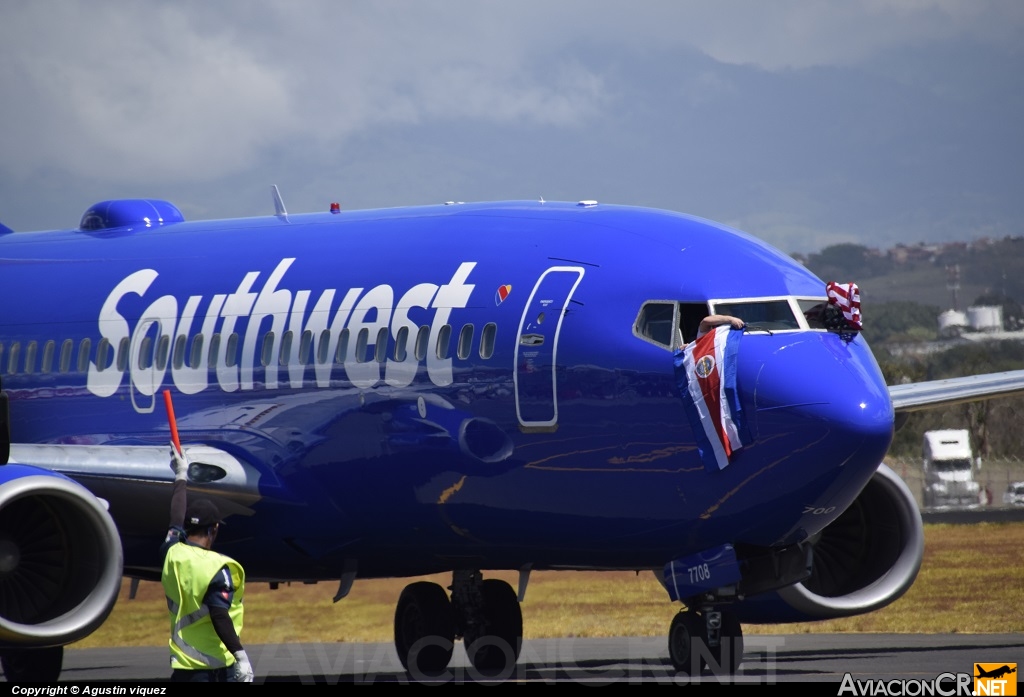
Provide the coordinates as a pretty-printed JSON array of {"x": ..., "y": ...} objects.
[{"x": 453, "y": 388}]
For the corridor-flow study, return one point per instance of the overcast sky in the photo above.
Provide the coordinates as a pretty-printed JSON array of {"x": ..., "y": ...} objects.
[{"x": 804, "y": 122}]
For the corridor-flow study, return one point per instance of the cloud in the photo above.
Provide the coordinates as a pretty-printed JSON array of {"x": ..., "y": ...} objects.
[
  {"x": 118, "y": 91},
  {"x": 672, "y": 103},
  {"x": 121, "y": 91},
  {"x": 794, "y": 34}
]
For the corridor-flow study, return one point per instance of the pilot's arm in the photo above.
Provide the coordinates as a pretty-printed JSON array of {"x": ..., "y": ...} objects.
[{"x": 712, "y": 321}]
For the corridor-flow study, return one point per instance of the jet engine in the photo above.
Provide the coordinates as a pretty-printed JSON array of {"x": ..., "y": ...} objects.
[
  {"x": 862, "y": 562},
  {"x": 60, "y": 559}
]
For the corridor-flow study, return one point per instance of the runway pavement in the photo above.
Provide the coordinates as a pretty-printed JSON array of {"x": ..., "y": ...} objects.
[{"x": 632, "y": 660}]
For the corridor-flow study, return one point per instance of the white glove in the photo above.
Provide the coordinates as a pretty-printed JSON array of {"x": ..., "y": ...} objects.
[
  {"x": 179, "y": 465},
  {"x": 243, "y": 669}
]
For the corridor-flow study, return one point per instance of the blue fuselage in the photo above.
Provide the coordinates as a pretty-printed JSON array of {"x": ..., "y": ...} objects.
[{"x": 441, "y": 387}]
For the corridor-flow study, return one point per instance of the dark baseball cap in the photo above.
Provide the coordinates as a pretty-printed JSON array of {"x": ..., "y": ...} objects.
[{"x": 201, "y": 513}]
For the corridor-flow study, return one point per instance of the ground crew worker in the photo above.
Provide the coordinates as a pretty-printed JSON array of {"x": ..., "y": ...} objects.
[{"x": 204, "y": 592}]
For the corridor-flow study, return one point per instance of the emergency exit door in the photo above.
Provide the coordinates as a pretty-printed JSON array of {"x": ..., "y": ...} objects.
[{"x": 536, "y": 372}]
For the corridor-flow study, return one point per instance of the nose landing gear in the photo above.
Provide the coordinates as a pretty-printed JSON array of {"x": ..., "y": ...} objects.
[{"x": 705, "y": 639}]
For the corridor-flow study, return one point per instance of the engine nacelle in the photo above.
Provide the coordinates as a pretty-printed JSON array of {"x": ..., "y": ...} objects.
[
  {"x": 862, "y": 562},
  {"x": 60, "y": 559}
]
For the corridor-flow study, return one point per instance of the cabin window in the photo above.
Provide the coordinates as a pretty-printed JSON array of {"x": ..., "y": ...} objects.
[
  {"x": 12, "y": 358},
  {"x": 267, "y": 351},
  {"x": 323, "y": 348},
  {"x": 214, "y": 356},
  {"x": 656, "y": 323},
  {"x": 306, "y": 348},
  {"x": 362, "y": 340},
  {"x": 145, "y": 353},
  {"x": 31, "y": 349},
  {"x": 102, "y": 351},
  {"x": 401, "y": 339},
  {"x": 342, "y": 352},
  {"x": 231, "y": 350},
  {"x": 163, "y": 348},
  {"x": 65, "y": 355},
  {"x": 465, "y": 342},
  {"x": 380, "y": 348},
  {"x": 422, "y": 342},
  {"x": 286, "y": 348},
  {"x": 444, "y": 338},
  {"x": 84, "y": 349},
  {"x": 196, "y": 356},
  {"x": 178, "y": 355},
  {"x": 123, "y": 350},
  {"x": 487, "y": 340},
  {"x": 48, "y": 350}
]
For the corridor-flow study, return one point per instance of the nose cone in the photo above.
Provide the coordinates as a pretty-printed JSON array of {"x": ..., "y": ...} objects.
[
  {"x": 822, "y": 416},
  {"x": 817, "y": 380}
]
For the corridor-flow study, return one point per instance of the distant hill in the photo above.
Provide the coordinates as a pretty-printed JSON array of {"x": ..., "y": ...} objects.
[
  {"x": 904, "y": 289},
  {"x": 923, "y": 273}
]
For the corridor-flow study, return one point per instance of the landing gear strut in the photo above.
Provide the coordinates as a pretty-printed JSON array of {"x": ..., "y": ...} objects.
[
  {"x": 491, "y": 622},
  {"x": 711, "y": 639}
]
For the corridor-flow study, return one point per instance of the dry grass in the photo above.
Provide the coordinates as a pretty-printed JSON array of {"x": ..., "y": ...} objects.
[{"x": 969, "y": 583}]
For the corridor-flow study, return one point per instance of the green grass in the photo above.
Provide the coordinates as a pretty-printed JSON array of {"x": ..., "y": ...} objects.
[{"x": 970, "y": 582}]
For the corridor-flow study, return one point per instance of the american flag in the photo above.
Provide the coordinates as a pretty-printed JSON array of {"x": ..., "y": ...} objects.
[{"x": 846, "y": 296}]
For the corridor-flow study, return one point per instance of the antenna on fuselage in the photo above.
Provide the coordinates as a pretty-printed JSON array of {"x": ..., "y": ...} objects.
[{"x": 279, "y": 210}]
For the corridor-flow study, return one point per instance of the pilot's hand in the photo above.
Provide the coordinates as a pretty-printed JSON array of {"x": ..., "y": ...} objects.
[
  {"x": 242, "y": 667},
  {"x": 179, "y": 465},
  {"x": 737, "y": 323}
]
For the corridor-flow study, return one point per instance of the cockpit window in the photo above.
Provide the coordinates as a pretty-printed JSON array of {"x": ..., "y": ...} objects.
[
  {"x": 772, "y": 315},
  {"x": 672, "y": 324},
  {"x": 814, "y": 311},
  {"x": 656, "y": 322},
  {"x": 777, "y": 314}
]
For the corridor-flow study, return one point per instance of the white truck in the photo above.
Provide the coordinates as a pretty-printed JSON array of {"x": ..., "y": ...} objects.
[{"x": 949, "y": 469}]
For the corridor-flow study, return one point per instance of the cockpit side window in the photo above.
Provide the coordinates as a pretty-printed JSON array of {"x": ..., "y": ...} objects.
[
  {"x": 815, "y": 311},
  {"x": 690, "y": 315},
  {"x": 656, "y": 322}
]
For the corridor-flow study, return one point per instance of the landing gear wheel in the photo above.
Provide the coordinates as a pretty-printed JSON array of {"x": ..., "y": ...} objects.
[
  {"x": 424, "y": 629},
  {"x": 493, "y": 645},
  {"x": 687, "y": 639},
  {"x": 729, "y": 652},
  {"x": 32, "y": 665}
]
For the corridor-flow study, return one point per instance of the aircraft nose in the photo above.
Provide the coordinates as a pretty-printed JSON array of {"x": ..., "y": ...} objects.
[{"x": 827, "y": 392}]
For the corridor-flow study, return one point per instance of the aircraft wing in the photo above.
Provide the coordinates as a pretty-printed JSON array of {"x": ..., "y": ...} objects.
[
  {"x": 935, "y": 393},
  {"x": 135, "y": 480}
]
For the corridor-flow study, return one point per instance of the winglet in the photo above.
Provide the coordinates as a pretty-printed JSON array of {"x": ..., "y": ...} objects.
[
  {"x": 280, "y": 210},
  {"x": 4, "y": 230}
]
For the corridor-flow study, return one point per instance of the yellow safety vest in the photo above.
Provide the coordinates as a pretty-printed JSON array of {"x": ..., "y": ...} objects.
[{"x": 187, "y": 573}]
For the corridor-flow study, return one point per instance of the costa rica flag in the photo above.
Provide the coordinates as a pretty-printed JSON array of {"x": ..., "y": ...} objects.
[{"x": 706, "y": 376}]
